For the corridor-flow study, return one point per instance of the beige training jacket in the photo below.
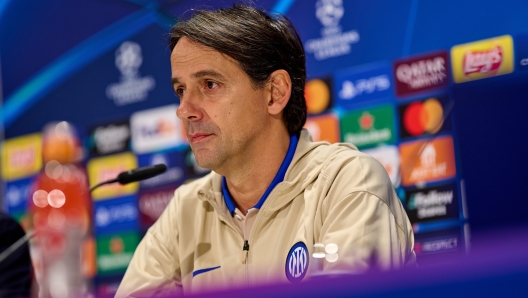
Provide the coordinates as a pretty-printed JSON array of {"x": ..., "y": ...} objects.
[{"x": 331, "y": 193}]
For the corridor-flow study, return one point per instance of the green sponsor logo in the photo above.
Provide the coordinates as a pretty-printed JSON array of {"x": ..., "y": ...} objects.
[
  {"x": 369, "y": 127},
  {"x": 114, "y": 252}
]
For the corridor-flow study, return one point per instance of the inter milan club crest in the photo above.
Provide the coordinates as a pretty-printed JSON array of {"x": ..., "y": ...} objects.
[{"x": 297, "y": 262}]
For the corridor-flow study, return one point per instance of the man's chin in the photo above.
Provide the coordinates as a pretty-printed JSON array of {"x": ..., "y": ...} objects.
[{"x": 206, "y": 162}]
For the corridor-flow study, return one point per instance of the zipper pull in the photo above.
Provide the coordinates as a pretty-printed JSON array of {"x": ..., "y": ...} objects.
[{"x": 245, "y": 252}]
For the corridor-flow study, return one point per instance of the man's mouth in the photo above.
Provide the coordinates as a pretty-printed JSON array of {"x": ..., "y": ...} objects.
[{"x": 198, "y": 137}]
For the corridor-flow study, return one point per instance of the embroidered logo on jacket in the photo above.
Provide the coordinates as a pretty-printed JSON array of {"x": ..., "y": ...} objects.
[
  {"x": 297, "y": 262},
  {"x": 200, "y": 271}
]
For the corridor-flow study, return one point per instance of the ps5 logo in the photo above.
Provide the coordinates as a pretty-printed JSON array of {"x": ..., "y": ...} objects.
[
  {"x": 131, "y": 88},
  {"x": 159, "y": 159},
  {"x": 117, "y": 214},
  {"x": 364, "y": 86},
  {"x": 16, "y": 195}
]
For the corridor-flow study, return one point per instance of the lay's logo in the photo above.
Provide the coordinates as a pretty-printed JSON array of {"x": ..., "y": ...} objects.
[
  {"x": 482, "y": 59},
  {"x": 21, "y": 156},
  {"x": 107, "y": 168}
]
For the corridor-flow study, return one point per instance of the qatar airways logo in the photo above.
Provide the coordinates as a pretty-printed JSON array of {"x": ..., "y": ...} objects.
[
  {"x": 422, "y": 73},
  {"x": 482, "y": 61},
  {"x": 152, "y": 204}
]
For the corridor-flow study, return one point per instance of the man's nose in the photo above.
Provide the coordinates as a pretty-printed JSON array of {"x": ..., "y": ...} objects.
[{"x": 189, "y": 108}]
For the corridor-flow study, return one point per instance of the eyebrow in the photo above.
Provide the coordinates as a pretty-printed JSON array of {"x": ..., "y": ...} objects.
[{"x": 200, "y": 74}]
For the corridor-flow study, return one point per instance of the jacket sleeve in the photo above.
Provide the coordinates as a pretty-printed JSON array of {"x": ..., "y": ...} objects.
[
  {"x": 154, "y": 269},
  {"x": 363, "y": 216}
]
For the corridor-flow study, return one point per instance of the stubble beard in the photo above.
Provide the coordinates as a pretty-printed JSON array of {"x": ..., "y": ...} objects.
[
  {"x": 210, "y": 156},
  {"x": 220, "y": 154}
]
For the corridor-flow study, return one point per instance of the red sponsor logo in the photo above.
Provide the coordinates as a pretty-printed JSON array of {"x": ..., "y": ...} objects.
[
  {"x": 366, "y": 121},
  {"x": 109, "y": 173},
  {"x": 23, "y": 158},
  {"x": 420, "y": 74},
  {"x": 152, "y": 204},
  {"x": 482, "y": 61},
  {"x": 116, "y": 245}
]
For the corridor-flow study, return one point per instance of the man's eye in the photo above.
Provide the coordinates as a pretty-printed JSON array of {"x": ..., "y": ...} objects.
[
  {"x": 211, "y": 84},
  {"x": 179, "y": 92}
]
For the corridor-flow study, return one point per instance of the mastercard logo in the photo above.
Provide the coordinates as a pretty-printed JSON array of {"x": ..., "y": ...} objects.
[
  {"x": 317, "y": 95},
  {"x": 423, "y": 117}
]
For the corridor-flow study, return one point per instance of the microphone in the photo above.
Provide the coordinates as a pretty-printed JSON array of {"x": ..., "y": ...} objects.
[
  {"x": 142, "y": 173},
  {"x": 135, "y": 175}
]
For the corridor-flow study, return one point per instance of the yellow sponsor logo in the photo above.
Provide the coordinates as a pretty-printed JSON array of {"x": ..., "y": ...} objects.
[
  {"x": 317, "y": 95},
  {"x": 107, "y": 168},
  {"x": 482, "y": 59},
  {"x": 21, "y": 156}
]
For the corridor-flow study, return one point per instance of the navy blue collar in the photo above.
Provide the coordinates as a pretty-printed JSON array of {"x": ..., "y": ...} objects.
[{"x": 278, "y": 178}]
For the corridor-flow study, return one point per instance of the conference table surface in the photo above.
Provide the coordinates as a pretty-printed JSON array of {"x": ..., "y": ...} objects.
[{"x": 495, "y": 266}]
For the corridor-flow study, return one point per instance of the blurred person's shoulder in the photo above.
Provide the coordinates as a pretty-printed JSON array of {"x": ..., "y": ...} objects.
[{"x": 10, "y": 230}]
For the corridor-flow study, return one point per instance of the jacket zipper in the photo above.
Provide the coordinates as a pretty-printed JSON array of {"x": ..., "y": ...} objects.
[
  {"x": 245, "y": 254},
  {"x": 229, "y": 224}
]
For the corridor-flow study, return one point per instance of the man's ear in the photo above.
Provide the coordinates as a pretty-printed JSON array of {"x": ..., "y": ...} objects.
[{"x": 280, "y": 91}]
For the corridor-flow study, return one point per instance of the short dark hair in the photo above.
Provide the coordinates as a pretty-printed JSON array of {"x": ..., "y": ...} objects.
[{"x": 259, "y": 42}]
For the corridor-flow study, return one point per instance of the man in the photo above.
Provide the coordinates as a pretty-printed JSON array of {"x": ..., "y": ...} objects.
[{"x": 272, "y": 193}]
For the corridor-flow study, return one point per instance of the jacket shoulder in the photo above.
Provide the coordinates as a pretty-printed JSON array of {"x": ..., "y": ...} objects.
[
  {"x": 351, "y": 170},
  {"x": 190, "y": 190}
]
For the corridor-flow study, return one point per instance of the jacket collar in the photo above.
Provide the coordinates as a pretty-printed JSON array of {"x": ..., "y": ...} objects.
[
  {"x": 299, "y": 174},
  {"x": 279, "y": 177}
]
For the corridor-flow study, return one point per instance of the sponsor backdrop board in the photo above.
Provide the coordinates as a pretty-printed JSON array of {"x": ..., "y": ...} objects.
[{"x": 429, "y": 89}]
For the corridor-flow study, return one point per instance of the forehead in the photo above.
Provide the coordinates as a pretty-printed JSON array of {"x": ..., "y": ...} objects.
[{"x": 189, "y": 57}]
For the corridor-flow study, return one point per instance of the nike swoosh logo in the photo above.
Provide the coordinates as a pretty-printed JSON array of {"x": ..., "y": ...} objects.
[{"x": 200, "y": 271}]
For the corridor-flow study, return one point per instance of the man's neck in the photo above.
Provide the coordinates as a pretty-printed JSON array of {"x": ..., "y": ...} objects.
[{"x": 247, "y": 183}]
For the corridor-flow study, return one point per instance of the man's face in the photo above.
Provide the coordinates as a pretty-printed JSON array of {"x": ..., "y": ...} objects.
[{"x": 222, "y": 113}]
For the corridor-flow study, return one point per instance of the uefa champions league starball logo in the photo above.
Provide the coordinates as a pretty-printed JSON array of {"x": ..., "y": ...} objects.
[
  {"x": 132, "y": 87},
  {"x": 128, "y": 58},
  {"x": 334, "y": 40},
  {"x": 329, "y": 12}
]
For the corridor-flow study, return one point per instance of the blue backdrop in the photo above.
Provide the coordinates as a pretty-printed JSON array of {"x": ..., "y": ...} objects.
[{"x": 98, "y": 63}]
